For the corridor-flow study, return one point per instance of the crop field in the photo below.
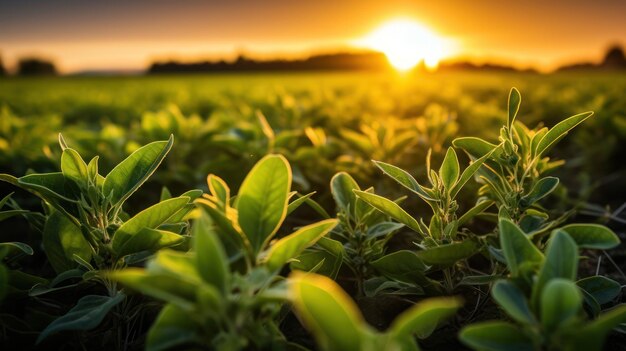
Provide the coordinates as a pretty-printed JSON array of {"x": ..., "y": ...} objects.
[{"x": 330, "y": 211}]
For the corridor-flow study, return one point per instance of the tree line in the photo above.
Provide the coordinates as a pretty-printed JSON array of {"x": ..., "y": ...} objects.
[{"x": 31, "y": 66}]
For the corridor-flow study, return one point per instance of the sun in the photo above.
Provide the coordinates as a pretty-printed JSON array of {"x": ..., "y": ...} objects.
[{"x": 406, "y": 43}]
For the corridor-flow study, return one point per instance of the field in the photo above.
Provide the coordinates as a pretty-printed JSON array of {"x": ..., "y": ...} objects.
[
  {"x": 323, "y": 124},
  {"x": 111, "y": 116}
]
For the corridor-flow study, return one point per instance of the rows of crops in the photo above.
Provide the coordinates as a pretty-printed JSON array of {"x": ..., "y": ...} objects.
[{"x": 329, "y": 211}]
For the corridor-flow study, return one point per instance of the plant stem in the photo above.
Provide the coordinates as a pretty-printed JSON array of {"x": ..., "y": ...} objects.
[{"x": 448, "y": 280}]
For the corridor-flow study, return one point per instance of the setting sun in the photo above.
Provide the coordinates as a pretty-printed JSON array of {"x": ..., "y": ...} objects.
[{"x": 406, "y": 43}]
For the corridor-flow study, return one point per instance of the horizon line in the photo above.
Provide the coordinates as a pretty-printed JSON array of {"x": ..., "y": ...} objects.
[{"x": 478, "y": 60}]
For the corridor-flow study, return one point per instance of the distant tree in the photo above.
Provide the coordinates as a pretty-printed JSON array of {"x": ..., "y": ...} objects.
[
  {"x": 3, "y": 71},
  {"x": 36, "y": 67},
  {"x": 614, "y": 58}
]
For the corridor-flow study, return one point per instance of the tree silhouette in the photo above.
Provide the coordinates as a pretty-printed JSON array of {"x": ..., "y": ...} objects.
[
  {"x": 36, "y": 67},
  {"x": 614, "y": 58},
  {"x": 3, "y": 71}
]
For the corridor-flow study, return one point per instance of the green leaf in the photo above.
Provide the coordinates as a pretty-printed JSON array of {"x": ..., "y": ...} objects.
[
  {"x": 378, "y": 286},
  {"x": 219, "y": 189},
  {"x": 523, "y": 135},
  {"x": 560, "y": 302},
  {"x": 179, "y": 290},
  {"x": 192, "y": 194},
  {"x": 475, "y": 147},
  {"x": 67, "y": 275},
  {"x": 39, "y": 289},
  {"x": 449, "y": 254},
  {"x": 541, "y": 189},
  {"x": 516, "y": 246},
  {"x": 165, "y": 194},
  {"x": 21, "y": 282},
  {"x": 404, "y": 178},
  {"x": 479, "y": 279},
  {"x": 593, "y": 334},
  {"x": 87, "y": 314},
  {"x": 292, "y": 245},
  {"x": 327, "y": 260},
  {"x": 496, "y": 336},
  {"x": 92, "y": 172},
  {"x": 389, "y": 208},
  {"x": 233, "y": 240},
  {"x": 301, "y": 199},
  {"x": 5, "y": 200},
  {"x": 561, "y": 261},
  {"x": 328, "y": 312},
  {"x": 177, "y": 264},
  {"x": 476, "y": 210},
  {"x": 592, "y": 236},
  {"x": 62, "y": 142},
  {"x": 317, "y": 208},
  {"x": 603, "y": 289},
  {"x": 211, "y": 260},
  {"x": 557, "y": 132},
  {"x": 148, "y": 239},
  {"x": 468, "y": 173},
  {"x": 425, "y": 316},
  {"x": 50, "y": 185},
  {"x": 9, "y": 179},
  {"x": 341, "y": 187},
  {"x": 266, "y": 128},
  {"x": 172, "y": 328},
  {"x": 591, "y": 306},
  {"x": 11, "y": 213},
  {"x": 515, "y": 100},
  {"x": 150, "y": 218},
  {"x": 262, "y": 200},
  {"x": 513, "y": 301},
  {"x": 450, "y": 169},
  {"x": 534, "y": 142},
  {"x": 382, "y": 229},
  {"x": 401, "y": 265},
  {"x": 73, "y": 166},
  {"x": 130, "y": 174},
  {"x": 17, "y": 246},
  {"x": 62, "y": 239}
]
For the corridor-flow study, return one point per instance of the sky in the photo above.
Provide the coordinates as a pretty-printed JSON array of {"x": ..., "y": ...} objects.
[{"x": 113, "y": 34}]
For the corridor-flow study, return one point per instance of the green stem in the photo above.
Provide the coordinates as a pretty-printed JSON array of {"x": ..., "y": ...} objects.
[{"x": 448, "y": 281}]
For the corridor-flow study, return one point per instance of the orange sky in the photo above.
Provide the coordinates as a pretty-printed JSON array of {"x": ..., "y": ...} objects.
[{"x": 115, "y": 34}]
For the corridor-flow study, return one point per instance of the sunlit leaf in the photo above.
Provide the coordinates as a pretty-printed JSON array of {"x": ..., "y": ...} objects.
[
  {"x": 341, "y": 187},
  {"x": 130, "y": 174},
  {"x": 150, "y": 218},
  {"x": 327, "y": 311},
  {"x": 425, "y": 316},
  {"x": 292, "y": 245},
  {"x": 557, "y": 132},
  {"x": 449, "y": 170},
  {"x": 389, "y": 208},
  {"x": 211, "y": 260},
  {"x": 73, "y": 166},
  {"x": 263, "y": 198},
  {"x": 514, "y": 103}
]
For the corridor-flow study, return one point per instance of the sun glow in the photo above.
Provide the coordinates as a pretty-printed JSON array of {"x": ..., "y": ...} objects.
[{"x": 406, "y": 43}]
